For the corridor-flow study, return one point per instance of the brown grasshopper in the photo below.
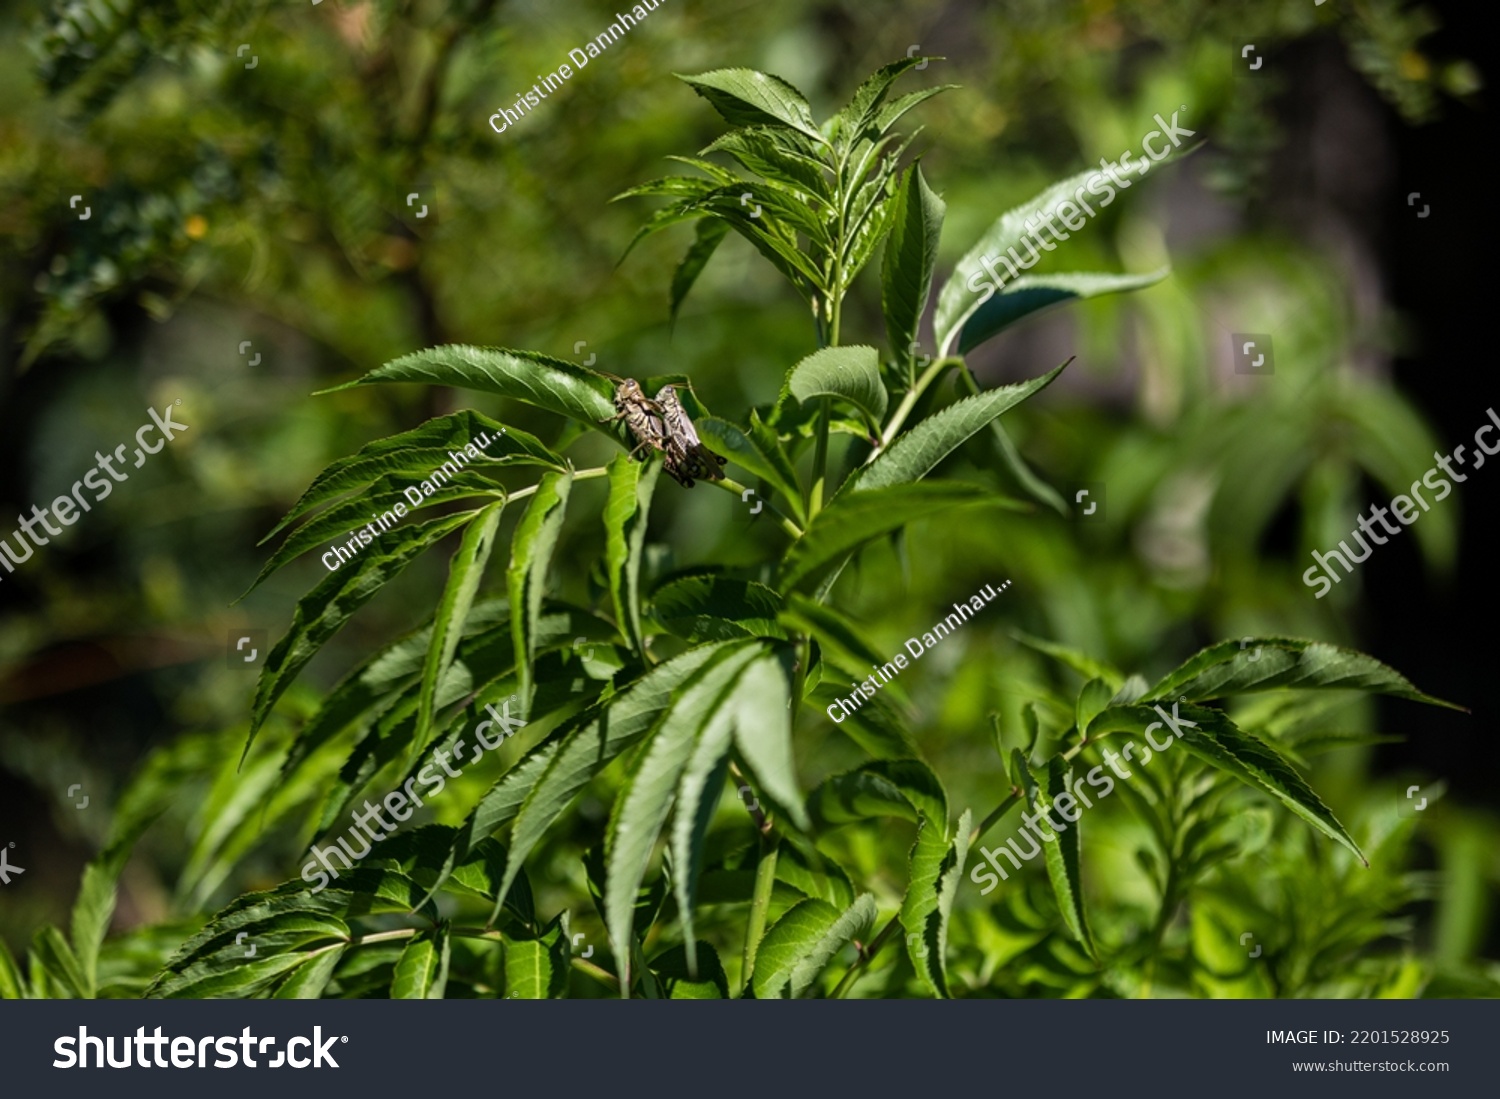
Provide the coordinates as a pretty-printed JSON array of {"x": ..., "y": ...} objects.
[
  {"x": 642, "y": 416},
  {"x": 686, "y": 456}
]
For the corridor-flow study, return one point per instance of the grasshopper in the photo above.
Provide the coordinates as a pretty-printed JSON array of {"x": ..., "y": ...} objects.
[
  {"x": 642, "y": 416},
  {"x": 687, "y": 457}
]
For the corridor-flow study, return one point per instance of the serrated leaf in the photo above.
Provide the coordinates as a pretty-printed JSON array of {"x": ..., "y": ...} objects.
[
  {"x": 531, "y": 551},
  {"x": 537, "y": 968},
  {"x": 649, "y": 790},
  {"x": 962, "y": 295},
  {"x": 539, "y": 788},
  {"x": 905, "y": 788},
  {"x": 632, "y": 486},
  {"x": 937, "y": 867},
  {"x": 553, "y": 384},
  {"x": 422, "y": 971},
  {"x": 1219, "y": 742},
  {"x": 803, "y": 942},
  {"x": 309, "y": 979},
  {"x": 712, "y": 607},
  {"x": 680, "y": 981},
  {"x": 910, "y": 257},
  {"x": 1061, "y": 852},
  {"x": 849, "y": 374},
  {"x": 465, "y": 572},
  {"x": 776, "y": 154},
  {"x": 322, "y": 612},
  {"x": 765, "y": 743},
  {"x": 12, "y": 981},
  {"x": 744, "y": 97},
  {"x": 759, "y": 451},
  {"x": 415, "y": 454},
  {"x": 851, "y": 519},
  {"x": 864, "y": 106},
  {"x": 917, "y": 452},
  {"x": 1283, "y": 663},
  {"x": 1011, "y": 458},
  {"x": 710, "y": 234},
  {"x": 1096, "y": 695}
]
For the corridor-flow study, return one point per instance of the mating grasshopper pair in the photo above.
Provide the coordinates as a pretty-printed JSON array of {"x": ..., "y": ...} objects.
[{"x": 661, "y": 423}]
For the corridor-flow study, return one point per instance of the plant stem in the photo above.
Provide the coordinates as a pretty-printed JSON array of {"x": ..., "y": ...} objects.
[
  {"x": 598, "y": 973},
  {"x": 865, "y": 958},
  {"x": 994, "y": 818},
  {"x": 760, "y": 903},
  {"x": 908, "y": 402},
  {"x": 820, "y": 460},
  {"x": 729, "y": 484}
]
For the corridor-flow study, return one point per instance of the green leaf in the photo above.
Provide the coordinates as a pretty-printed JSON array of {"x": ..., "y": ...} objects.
[
  {"x": 12, "y": 982},
  {"x": 917, "y": 452},
  {"x": 1283, "y": 663},
  {"x": 1080, "y": 662},
  {"x": 1096, "y": 695},
  {"x": 632, "y": 485},
  {"x": 537, "y": 968},
  {"x": 834, "y": 630},
  {"x": 422, "y": 971},
  {"x": 60, "y": 963},
  {"x": 539, "y": 788},
  {"x": 531, "y": 551},
  {"x": 744, "y": 97},
  {"x": 774, "y": 153},
  {"x": 1011, "y": 458},
  {"x": 414, "y": 455},
  {"x": 864, "y": 106},
  {"x": 759, "y": 451},
  {"x": 910, "y": 256},
  {"x": 964, "y": 293},
  {"x": 96, "y": 900},
  {"x": 802, "y": 866},
  {"x": 650, "y": 787},
  {"x": 937, "y": 868},
  {"x": 853, "y": 518},
  {"x": 680, "y": 981},
  {"x": 1219, "y": 742},
  {"x": 713, "y": 607},
  {"x": 464, "y": 574},
  {"x": 765, "y": 742},
  {"x": 850, "y": 374},
  {"x": 322, "y": 612},
  {"x": 711, "y": 233},
  {"x": 803, "y": 942},
  {"x": 309, "y": 979},
  {"x": 905, "y": 788},
  {"x": 891, "y": 113},
  {"x": 554, "y": 384},
  {"x": 1031, "y": 293},
  {"x": 1060, "y": 853}
]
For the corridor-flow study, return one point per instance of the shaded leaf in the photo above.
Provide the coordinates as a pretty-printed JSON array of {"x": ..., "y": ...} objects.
[
  {"x": 850, "y": 374},
  {"x": 910, "y": 256},
  {"x": 917, "y": 452}
]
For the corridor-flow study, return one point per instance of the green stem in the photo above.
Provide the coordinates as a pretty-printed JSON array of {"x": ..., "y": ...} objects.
[
  {"x": 865, "y": 958},
  {"x": 820, "y": 460},
  {"x": 598, "y": 973},
  {"x": 729, "y": 484},
  {"x": 760, "y": 904},
  {"x": 908, "y": 402},
  {"x": 994, "y": 818}
]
